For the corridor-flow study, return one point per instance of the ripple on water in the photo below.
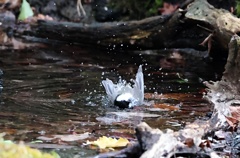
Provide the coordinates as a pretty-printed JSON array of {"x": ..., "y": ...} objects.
[{"x": 48, "y": 92}]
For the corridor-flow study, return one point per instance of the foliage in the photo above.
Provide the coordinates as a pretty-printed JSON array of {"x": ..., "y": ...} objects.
[
  {"x": 25, "y": 11},
  {"x": 238, "y": 8},
  {"x": 10, "y": 150},
  {"x": 137, "y": 9},
  {"x": 108, "y": 142}
]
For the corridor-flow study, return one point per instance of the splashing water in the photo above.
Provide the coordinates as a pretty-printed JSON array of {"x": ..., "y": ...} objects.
[{"x": 124, "y": 94}]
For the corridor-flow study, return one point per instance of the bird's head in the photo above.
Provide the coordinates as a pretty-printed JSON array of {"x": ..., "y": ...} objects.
[{"x": 124, "y": 100}]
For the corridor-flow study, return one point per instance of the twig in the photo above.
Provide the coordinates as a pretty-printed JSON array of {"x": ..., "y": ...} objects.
[
  {"x": 80, "y": 8},
  {"x": 207, "y": 29}
]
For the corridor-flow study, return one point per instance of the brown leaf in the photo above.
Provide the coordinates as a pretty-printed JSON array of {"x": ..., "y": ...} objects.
[
  {"x": 233, "y": 122},
  {"x": 189, "y": 142},
  {"x": 235, "y": 111},
  {"x": 204, "y": 144}
]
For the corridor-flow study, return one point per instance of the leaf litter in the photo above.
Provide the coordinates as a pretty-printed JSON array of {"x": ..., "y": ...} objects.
[{"x": 109, "y": 142}]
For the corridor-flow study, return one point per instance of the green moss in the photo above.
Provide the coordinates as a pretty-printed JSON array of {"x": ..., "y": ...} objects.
[{"x": 238, "y": 8}]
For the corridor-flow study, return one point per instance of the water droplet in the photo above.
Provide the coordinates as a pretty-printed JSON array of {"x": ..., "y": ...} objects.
[
  {"x": 105, "y": 8},
  {"x": 73, "y": 102}
]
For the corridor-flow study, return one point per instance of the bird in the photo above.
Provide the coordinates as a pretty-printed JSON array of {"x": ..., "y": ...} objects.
[{"x": 125, "y": 95}]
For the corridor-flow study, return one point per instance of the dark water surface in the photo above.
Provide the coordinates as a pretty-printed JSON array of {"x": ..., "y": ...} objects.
[{"x": 58, "y": 90}]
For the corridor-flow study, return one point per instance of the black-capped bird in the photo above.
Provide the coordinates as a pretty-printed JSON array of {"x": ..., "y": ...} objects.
[{"x": 125, "y": 95}]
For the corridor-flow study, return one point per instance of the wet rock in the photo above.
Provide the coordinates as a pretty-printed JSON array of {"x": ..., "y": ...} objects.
[
  {"x": 147, "y": 136},
  {"x": 7, "y": 18},
  {"x": 155, "y": 143}
]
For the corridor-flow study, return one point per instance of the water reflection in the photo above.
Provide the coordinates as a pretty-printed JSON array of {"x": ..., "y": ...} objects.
[{"x": 51, "y": 91}]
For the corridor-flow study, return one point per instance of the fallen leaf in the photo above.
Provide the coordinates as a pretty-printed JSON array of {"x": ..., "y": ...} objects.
[
  {"x": 235, "y": 111},
  {"x": 25, "y": 11},
  {"x": 189, "y": 142},
  {"x": 233, "y": 122},
  {"x": 204, "y": 144},
  {"x": 108, "y": 142}
]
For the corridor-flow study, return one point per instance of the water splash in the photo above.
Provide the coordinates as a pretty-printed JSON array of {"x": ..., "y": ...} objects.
[{"x": 118, "y": 92}]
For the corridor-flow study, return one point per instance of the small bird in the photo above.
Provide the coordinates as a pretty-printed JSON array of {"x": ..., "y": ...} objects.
[{"x": 125, "y": 95}]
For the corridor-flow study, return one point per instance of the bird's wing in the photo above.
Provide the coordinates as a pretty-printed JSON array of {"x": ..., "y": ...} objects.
[{"x": 110, "y": 88}]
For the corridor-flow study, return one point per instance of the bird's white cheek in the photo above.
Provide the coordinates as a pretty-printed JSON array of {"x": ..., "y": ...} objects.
[{"x": 125, "y": 96}]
